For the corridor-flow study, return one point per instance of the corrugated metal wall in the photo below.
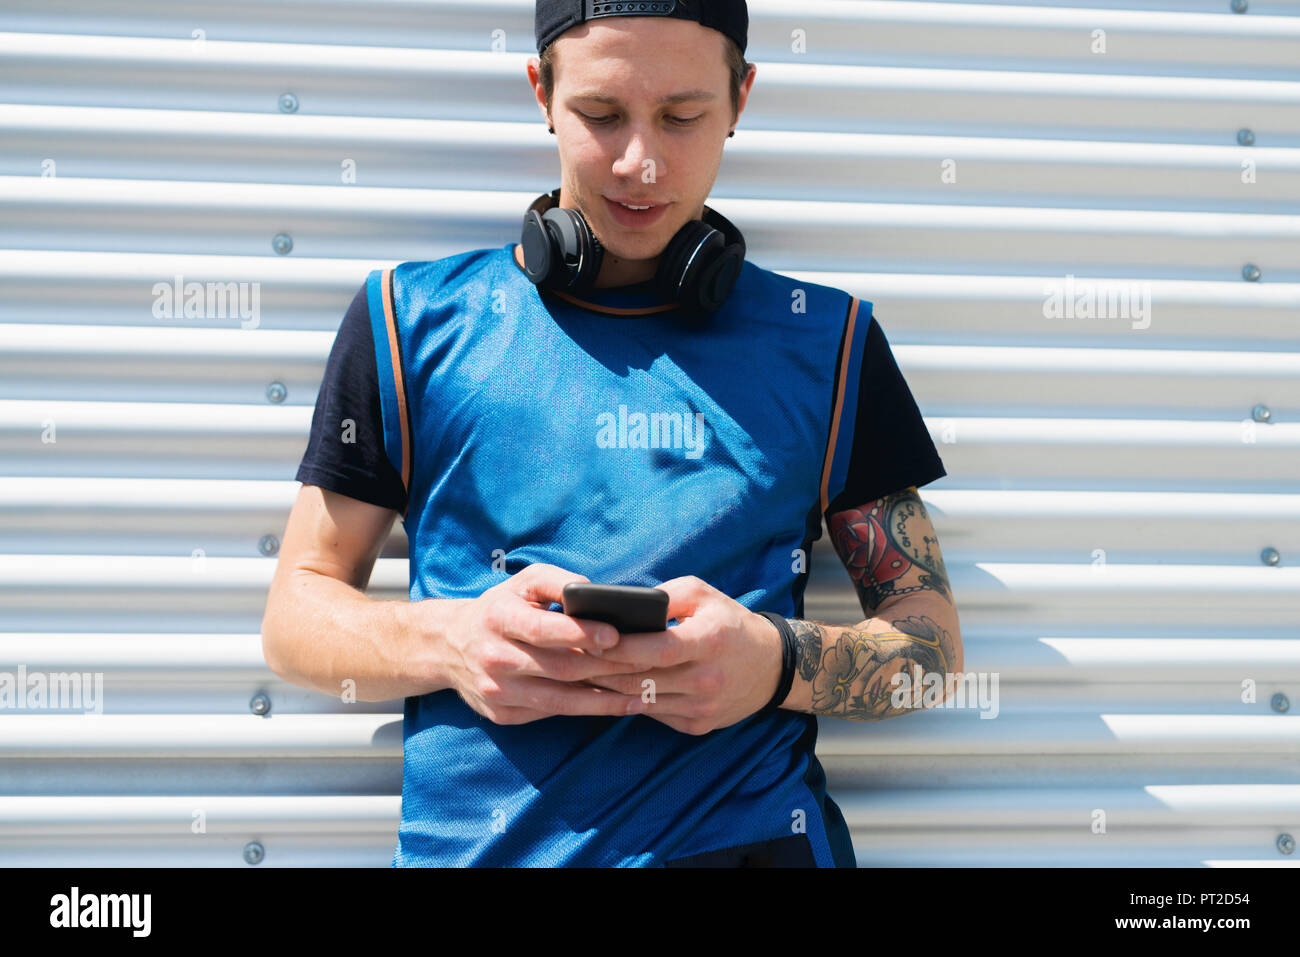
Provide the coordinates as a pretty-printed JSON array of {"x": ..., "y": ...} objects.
[{"x": 1115, "y": 484}]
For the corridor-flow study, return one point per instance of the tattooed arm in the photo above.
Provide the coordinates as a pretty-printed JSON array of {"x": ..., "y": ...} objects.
[{"x": 892, "y": 554}]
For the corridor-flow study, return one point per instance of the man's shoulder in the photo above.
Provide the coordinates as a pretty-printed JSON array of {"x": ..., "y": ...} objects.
[
  {"x": 433, "y": 277},
  {"x": 765, "y": 285}
]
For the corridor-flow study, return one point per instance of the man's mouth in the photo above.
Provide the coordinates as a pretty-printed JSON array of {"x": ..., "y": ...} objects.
[{"x": 632, "y": 212}]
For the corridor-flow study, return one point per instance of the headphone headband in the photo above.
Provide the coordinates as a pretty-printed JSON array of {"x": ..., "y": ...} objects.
[{"x": 697, "y": 269}]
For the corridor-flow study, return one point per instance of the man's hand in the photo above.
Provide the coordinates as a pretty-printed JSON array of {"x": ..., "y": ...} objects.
[
  {"x": 717, "y": 666},
  {"x": 513, "y": 660}
]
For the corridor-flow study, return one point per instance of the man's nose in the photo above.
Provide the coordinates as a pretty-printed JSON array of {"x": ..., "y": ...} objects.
[{"x": 639, "y": 154}]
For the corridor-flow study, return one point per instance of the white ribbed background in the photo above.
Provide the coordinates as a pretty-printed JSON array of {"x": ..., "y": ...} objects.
[{"x": 1104, "y": 514}]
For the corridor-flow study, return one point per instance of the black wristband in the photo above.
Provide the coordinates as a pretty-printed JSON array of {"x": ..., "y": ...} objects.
[{"x": 789, "y": 651}]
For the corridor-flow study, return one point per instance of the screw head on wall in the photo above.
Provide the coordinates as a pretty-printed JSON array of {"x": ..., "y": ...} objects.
[
  {"x": 288, "y": 103},
  {"x": 254, "y": 852},
  {"x": 282, "y": 244},
  {"x": 1250, "y": 272}
]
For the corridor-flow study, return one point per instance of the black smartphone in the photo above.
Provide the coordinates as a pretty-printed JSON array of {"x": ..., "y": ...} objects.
[{"x": 629, "y": 608}]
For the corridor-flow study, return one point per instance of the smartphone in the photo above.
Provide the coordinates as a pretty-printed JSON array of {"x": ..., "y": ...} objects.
[{"x": 629, "y": 608}]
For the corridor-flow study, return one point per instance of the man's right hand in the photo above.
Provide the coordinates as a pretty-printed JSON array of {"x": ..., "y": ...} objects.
[{"x": 513, "y": 660}]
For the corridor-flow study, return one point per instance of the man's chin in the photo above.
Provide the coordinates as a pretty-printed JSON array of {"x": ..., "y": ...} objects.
[{"x": 632, "y": 249}]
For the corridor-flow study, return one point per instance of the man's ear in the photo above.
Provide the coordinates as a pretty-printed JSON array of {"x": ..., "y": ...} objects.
[
  {"x": 745, "y": 87},
  {"x": 533, "y": 71}
]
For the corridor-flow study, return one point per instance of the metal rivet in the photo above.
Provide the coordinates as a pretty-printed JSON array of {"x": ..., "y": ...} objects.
[
  {"x": 1285, "y": 843},
  {"x": 1270, "y": 556},
  {"x": 1261, "y": 413},
  {"x": 1250, "y": 272},
  {"x": 1245, "y": 138},
  {"x": 282, "y": 244},
  {"x": 276, "y": 392},
  {"x": 254, "y": 852},
  {"x": 288, "y": 103},
  {"x": 268, "y": 545},
  {"x": 1280, "y": 703},
  {"x": 1238, "y": 6},
  {"x": 260, "y": 704}
]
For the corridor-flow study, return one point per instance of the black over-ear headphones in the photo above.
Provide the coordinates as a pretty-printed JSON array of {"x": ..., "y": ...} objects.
[{"x": 697, "y": 268}]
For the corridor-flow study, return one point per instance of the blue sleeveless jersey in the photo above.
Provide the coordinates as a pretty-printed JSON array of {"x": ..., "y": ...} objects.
[{"x": 611, "y": 437}]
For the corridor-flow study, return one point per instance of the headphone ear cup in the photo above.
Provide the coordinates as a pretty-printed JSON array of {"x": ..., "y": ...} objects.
[
  {"x": 681, "y": 258},
  {"x": 593, "y": 253},
  {"x": 539, "y": 255},
  {"x": 595, "y": 257},
  {"x": 697, "y": 269},
  {"x": 716, "y": 279},
  {"x": 579, "y": 250}
]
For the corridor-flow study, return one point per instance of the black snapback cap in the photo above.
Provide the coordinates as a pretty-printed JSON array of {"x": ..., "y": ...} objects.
[{"x": 553, "y": 17}]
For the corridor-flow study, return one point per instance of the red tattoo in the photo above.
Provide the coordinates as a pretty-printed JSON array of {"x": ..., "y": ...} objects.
[{"x": 870, "y": 556}]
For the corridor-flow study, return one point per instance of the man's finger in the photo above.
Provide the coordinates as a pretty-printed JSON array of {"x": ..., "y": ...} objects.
[
  {"x": 685, "y": 595},
  {"x": 504, "y": 714},
  {"x": 554, "y": 629},
  {"x": 680, "y": 706},
  {"x": 558, "y": 697},
  {"x": 567, "y": 664},
  {"x": 673, "y": 681},
  {"x": 542, "y": 583},
  {"x": 652, "y": 649}
]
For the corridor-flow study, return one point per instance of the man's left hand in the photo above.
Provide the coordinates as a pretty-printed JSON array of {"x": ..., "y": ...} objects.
[{"x": 717, "y": 666}]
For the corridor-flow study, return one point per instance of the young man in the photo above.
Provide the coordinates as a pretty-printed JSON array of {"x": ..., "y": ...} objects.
[{"x": 506, "y": 421}]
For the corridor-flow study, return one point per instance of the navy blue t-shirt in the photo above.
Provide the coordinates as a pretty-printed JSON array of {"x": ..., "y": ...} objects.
[{"x": 349, "y": 392}]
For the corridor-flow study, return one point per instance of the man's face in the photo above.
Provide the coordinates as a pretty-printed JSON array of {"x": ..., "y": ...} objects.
[{"x": 620, "y": 139}]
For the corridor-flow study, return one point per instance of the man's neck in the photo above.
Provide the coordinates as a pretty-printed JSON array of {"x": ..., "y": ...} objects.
[
  {"x": 624, "y": 272},
  {"x": 613, "y": 271}
]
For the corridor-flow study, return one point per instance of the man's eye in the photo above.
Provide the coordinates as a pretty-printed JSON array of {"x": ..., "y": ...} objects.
[{"x": 602, "y": 120}]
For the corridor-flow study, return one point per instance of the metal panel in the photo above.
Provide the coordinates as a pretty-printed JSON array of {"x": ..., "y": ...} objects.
[{"x": 1115, "y": 482}]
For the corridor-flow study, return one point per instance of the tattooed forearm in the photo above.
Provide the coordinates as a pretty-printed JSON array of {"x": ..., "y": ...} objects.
[
  {"x": 882, "y": 544},
  {"x": 808, "y": 654},
  {"x": 847, "y": 672},
  {"x": 891, "y": 551}
]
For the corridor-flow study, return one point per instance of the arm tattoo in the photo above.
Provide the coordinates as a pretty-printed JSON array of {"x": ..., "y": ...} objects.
[
  {"x": 853, "y": 679},
  {"x": 808, "y": 651},
  {"x": 883, "y": 543}
]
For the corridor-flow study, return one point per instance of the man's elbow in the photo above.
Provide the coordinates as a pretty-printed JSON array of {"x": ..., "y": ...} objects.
[
  {"x": 273, "y": 636},
  {"x": 932, "y": 620},
  {"x": 269, "y": 649}
]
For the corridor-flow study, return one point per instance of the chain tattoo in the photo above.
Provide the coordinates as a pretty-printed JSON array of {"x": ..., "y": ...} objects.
[{"x": 883, "y": 543}]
